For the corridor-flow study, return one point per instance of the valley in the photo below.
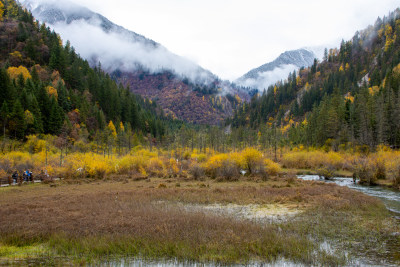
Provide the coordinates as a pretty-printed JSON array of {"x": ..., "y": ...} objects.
[{"x": 145, "y": 157}]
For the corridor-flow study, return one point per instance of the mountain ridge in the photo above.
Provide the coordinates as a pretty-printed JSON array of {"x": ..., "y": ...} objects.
[{"x": 262, "y": 76}]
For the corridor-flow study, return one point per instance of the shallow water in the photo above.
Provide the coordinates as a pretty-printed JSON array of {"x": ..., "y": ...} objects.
[{"x": 391, "y": 198}]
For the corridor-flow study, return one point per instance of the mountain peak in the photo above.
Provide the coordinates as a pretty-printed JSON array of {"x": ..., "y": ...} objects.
[{"x": 270, "y": 73}]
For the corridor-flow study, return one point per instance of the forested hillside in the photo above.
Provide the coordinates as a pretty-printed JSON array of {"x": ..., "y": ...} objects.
[
  {"x": 183, "y": 99},
  {"x": 350, "y": 98},
  {"x": 46, "y": 88}
]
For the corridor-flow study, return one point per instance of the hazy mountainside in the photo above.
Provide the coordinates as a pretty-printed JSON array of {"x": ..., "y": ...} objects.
[
  {"x": 352, "y": 97},
  {"x": 262, "y": 77},
  {"x": 98, "y": 39},
  {"x": 46, "y": 88},
  {"x": 140, "y": 63}
]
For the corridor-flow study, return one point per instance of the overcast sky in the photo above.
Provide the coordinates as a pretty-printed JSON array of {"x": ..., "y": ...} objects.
[{"x": 230, "y": 37}]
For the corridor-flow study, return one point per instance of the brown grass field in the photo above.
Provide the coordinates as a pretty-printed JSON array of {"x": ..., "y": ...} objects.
[{"x": 102, "y": 219}]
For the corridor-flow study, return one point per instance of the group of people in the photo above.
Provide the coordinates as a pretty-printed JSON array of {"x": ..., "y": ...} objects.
[{"x": 26, "y": 176}]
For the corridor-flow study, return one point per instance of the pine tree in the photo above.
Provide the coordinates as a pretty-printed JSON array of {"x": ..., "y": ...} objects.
[
  {"x": 4, "y": 114},
  {"x": 17, "y": 121},
  {"x": 56, "y": 118}
]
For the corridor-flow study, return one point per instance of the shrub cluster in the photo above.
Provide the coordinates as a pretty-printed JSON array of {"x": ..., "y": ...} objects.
[{"x": 140, "y": 163}]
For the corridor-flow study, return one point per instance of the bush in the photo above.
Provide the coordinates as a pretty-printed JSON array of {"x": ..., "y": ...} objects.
[
  {"x": 156, "y": 167},
  {"x": 272, "y": 168},
  {"x": 214, "y": 163},
  {"x": 224, "y": 166},
  {"x": 380, "y": 169},
  {"x": 313, "y": 159},
  {"x": 173, "y": 167},
  {"x": 197, "y": 171},
  {"x": 326, "y": 172},
  {"x": 364, "y": 173},
  {"x": 252, "y": 160},
  {"x": 229, "y": 171}
]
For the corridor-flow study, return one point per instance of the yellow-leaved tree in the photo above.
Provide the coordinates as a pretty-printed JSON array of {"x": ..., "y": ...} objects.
[
  {"x": 14, "y": 72},
  {"x": 51, "y": 91},
  {"x": 112, "y": 128},
  {"x": 1, "y": 11}
]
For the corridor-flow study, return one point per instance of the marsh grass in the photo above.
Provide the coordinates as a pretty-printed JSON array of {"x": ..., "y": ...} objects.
[{"x": 92, "y": 222}]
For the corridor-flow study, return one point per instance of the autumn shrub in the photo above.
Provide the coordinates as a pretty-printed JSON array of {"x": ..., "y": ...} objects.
[
  {"x": 155, "y": 167},
  {"x": 3, "y": 174},
  {"x": 199, "y": 157},
  {"x": 296, "y": 159},
  {"x": 214, "y": 163},
  {"x": 197, "y": 171},
  {"x": 132, "y": 164},
  {"x": 229, "y": 171},
  {"x": 5, "y": 165},
  {"x": 186, "y": 155},
  {"x": 326, "y": 172},
  {"x": 392, "y": 166},
  {"x": 313, "y": 159},
  {"x": 97, "y": 168},
  {"x": 252, "y": 160},
  {"x": 272, "y": 168},
  {"x": 173, "y": 167},
  {"x": 394, "y": 176},
  {"x": 34, "y": 144},
  {"x": 364, "y": 171},
  {"x": 380, "y": 169}
]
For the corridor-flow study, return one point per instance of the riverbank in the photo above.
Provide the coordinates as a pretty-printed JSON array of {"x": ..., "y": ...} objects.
[{"x": 188, "y": 220}]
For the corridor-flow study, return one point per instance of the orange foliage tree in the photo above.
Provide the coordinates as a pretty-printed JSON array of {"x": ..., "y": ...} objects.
[
  {"x": 52, "y": 91},
  {"x": 14, "y": 72},
  {"x": 112, "y": 128},
  {"x": 1, "y": 11}
]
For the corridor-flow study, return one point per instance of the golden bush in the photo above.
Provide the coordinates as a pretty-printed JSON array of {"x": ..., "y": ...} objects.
[
  {"x": 252, "y": 160},
  {"x": 272, "y": 168},
  {"x": 156, "y": 167}
]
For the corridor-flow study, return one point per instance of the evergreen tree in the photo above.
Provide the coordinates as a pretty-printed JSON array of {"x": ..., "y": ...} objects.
[
  {"x": 17, "y": 121},
  {"x": 4, "y": 114},
  {"x": 56, "y": 118}
]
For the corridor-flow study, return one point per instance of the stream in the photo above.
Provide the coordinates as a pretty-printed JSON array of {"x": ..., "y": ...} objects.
[{"x": 390, "y": 197}]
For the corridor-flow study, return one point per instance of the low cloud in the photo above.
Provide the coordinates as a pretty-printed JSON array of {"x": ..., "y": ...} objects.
[
  {"x": 268, "y": 78},
  {"x": 117, "y": 51}
]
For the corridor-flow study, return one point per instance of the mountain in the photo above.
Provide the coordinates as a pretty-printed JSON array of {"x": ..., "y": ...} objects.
[
  {"x": 349, "y": 100},
  {"x": 147, "y": 67},
  {"x": 98, "y": 39},
  {"x": 46, "y": 88},
  {"x": 272, "y": 72}
]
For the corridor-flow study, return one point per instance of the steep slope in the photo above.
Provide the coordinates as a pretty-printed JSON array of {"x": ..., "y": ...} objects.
[
  {"x": 202, "y": 104},
  {"x": 98, "y": 39},
  {"x": 140, "y": 63},
  {"x": 264, "y": 76},
  {"x": 46, "y": 88},
  {"x": 350, "y": 98}
]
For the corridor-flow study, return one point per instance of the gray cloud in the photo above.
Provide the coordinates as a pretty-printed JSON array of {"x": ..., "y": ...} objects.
[{"x": 265, "y": 79}]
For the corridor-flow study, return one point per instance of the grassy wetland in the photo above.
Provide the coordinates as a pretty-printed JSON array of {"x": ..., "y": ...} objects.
[
  {"x": 159, "y": 218},
  {"x": 238, "y": 207}
]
